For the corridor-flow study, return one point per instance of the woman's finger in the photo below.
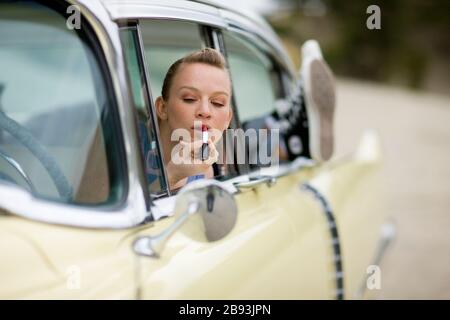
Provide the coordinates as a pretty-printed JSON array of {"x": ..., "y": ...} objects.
[
  {"x": 213, "y": 155},
  {"x": 197, "y": 144}
]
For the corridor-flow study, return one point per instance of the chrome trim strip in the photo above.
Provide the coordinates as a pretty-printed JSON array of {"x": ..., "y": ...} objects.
[
  {"x": 255, "y": 182},
  {"x": 165, "y": 207},
  {"x": 335, "y": 242},
  {"x": 22, "y": 203},
  {"x": 151, "y": 106},
  {"x": 285, "y": 169},
  {"x": 168, "y": 10},
  {"x": 211, "y": 13}
]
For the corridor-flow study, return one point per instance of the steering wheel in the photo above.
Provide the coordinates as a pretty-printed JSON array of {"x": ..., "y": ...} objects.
[
  {"x": 26, "y": 138},
  {"x": 13, "y": 163}
]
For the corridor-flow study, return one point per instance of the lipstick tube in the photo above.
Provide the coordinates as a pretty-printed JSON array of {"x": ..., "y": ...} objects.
[{"x": 205, "y": 147}]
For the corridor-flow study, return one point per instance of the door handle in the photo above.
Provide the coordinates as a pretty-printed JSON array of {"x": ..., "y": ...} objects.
[{"x": 254, "y": 182}]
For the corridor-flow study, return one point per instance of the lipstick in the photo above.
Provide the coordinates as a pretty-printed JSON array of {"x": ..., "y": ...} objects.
[{"x": 205, "y": 147}]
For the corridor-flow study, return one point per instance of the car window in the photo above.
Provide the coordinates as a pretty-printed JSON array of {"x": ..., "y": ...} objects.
[
  {"x": 257, "y": 86},
  {"x": 57, "y": 136},
  {"x": 256, "y": 82},
  {"x": 147, "y": 128},
  {"x": 164, "y": 43}
]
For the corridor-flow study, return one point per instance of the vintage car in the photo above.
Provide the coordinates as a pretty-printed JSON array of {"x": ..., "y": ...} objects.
[{"x": 78, "y": 218}]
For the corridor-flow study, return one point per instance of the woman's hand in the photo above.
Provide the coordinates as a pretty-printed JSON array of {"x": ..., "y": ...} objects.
[{"x": 186, "y": 160}]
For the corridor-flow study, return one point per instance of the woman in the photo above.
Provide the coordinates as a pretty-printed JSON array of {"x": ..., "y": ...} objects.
[{"x": 196, "y": 92}]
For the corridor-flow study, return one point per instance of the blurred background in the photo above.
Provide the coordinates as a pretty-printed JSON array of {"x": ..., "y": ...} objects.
[
  {"x": 411, "y": 49},
  {"x": 395, "y": 80}
]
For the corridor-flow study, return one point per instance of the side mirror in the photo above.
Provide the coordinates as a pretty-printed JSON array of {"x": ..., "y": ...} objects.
[{"x": 204, "y": 202}]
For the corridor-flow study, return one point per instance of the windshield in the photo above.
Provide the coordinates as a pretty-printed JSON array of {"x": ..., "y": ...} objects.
[{"x": 57, "y": 134}]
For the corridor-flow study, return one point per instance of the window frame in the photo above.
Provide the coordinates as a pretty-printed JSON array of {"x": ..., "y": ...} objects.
[
  {"x": 210, "y": 37},
  {"x": 116, "y": 171},
  {"x": 148, "y": 100},
  {"x": 167, "y": 193},
  {"x": 213, "y": 24},
  {"x": 131, "y": 209}
]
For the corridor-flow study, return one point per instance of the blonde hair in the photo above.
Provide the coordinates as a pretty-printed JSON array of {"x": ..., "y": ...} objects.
[{"x": 207, "y": 56}]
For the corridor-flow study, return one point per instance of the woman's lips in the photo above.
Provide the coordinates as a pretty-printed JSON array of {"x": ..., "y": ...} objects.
[{"x": 200, "y": 128}]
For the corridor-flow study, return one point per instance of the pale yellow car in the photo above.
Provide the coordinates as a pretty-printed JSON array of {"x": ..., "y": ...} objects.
[{"x": 78, "y": 219}]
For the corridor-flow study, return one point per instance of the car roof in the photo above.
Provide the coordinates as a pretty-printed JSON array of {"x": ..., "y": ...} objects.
[{"x": 210, "y": 12}]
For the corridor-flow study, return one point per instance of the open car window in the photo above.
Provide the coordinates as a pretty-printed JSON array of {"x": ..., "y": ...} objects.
[
  {"x": 164, "y": 43},
  {"x": 58, "y": 135},
  {"x": 257, "y": 85},
  {"x": 253, "y": 73},
  {"x": 146, "y": 123}
]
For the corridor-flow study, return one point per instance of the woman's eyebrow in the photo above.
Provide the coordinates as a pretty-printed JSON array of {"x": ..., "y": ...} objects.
[
  {"x": 195, "y": 89},
  {"x": 221, "y": 92},
  {"x": 190, "y": 88}
]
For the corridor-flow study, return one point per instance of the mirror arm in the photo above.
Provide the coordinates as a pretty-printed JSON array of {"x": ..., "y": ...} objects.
[{"x": 153, "y": 246}]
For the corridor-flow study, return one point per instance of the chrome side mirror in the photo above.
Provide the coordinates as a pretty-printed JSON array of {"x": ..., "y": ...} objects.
[{"x": 205, "y": 203}]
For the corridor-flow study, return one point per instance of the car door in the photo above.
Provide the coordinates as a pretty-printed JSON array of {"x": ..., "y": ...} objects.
[
  {"x": 279, "y": 247},
  {"x": 66, "y": 201}
]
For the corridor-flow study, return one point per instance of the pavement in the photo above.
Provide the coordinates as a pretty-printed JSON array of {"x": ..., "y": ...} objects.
[{"x": 415, "y": 132}]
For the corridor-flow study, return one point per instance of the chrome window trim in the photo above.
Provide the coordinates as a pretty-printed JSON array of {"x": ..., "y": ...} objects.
[
  {"x": 167, "y": 10},
  {"x": 250, "y": 26},
  {"x": 149, "y": 105},
  {"x": 164, "y": 207},
  {"x": 22, "y": 203},
  {"x": 133, "y": 210},
  {"x": 151, "y": 108},
  {"x": 206, "y": 12}
]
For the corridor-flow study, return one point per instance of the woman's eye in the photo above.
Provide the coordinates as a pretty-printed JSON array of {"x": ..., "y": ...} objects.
[
  {"x": 188, "y": 100},
  {"x": 218, "y": 104}
]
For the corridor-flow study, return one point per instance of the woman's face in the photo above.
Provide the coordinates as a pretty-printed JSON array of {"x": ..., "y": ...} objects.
[{"x": 199, "y": 92}]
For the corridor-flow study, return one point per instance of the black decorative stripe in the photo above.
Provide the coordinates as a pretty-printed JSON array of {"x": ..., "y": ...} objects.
[{"x": 335, "y": 243}]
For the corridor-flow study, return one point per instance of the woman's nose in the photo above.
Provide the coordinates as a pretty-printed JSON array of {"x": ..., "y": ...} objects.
[{"x": 203, "y": 110}]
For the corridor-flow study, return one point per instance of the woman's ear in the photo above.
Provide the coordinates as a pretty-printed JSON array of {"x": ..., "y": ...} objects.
[{"x": 161, "y": 108}]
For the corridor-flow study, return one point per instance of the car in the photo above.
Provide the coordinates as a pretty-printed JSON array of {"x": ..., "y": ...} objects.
[{"x": 78, "y": 218}]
